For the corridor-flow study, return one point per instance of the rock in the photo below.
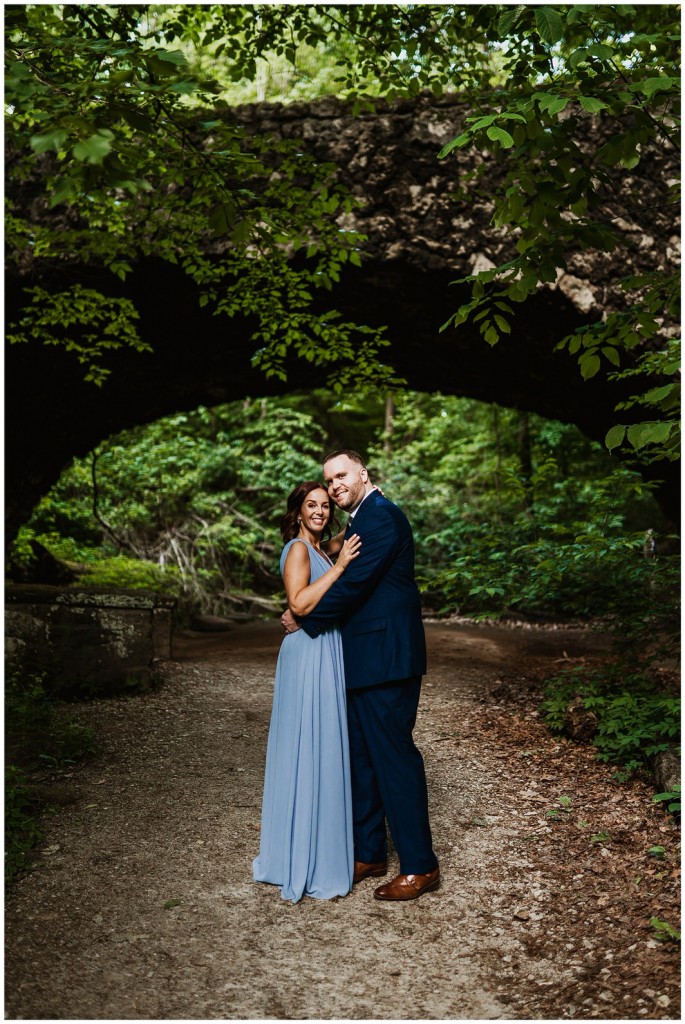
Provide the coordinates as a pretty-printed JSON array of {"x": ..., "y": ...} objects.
[
  {"x": 666, "y": 767},
  {"x": 579, "y": 723},
  {"x": 89, "y": 641}
]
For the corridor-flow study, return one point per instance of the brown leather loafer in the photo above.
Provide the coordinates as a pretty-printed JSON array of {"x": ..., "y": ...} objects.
[
  {"x": 408, "y": 887},
  {"x": 362, "y": 870}
]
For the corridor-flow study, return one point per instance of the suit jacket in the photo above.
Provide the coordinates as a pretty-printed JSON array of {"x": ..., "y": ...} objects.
[{"x": 376, "y": 601}]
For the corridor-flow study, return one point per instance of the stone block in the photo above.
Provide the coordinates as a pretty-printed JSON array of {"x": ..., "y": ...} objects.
[{"x": 89, "y": 641}]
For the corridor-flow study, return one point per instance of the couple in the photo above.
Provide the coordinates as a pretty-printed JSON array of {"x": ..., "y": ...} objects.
[{"x": 325, "y": 802}]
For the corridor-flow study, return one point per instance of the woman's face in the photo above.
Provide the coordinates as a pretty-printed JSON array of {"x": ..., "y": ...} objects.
[{"x": 316, "y": 510}]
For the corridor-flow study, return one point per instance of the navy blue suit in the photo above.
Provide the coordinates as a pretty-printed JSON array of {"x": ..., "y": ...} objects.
[{"x": 377, "y": 605}]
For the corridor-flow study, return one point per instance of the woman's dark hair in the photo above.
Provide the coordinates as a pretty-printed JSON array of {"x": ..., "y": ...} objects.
[{"x": 289, "y": 525}]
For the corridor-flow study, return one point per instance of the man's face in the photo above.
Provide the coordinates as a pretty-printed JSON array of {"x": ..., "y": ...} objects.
[{"x": 346, "y": 481}]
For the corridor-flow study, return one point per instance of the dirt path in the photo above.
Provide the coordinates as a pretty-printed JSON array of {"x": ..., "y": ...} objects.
[{"x": 142, "y": 904}]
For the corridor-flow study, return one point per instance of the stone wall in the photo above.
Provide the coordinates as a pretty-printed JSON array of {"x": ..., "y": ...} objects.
[{"x": 91, "y": 642}]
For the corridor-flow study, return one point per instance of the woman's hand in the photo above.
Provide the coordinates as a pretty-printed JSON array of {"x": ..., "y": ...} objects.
[
  {"x": 349, "y": 551},
  {"x": 289, "y": 622}
]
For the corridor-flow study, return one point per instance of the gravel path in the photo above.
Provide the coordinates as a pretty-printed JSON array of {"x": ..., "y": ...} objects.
[{"x": 142, "y": 906}]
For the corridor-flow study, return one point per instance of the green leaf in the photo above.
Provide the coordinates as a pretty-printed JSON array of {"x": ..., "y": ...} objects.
[
  {"x": 558, "y": 104},
  {"x": 641, "y": 434},
  {"x": 664, "y": 931},
  {"x": 481, "y": 122},
  {"x": 500, "y": 135},
  {"x": 592, "y": 104},
  {"x": 54, "y": 139},
  {"x": 589, "y": 365},
  {"x": 94, "y": 149},
  {"x": 507, "y": 20},
  {"x": 615, "y": 437},
  {"x": 242, "y": 232},
  {"x": 172, "y": 56},
  {"x": 222, "y": 218},
  {"x": 120, "y": 268},
  {"x": 549, "y": 24},
  {"x": 184, "y": 88},
  {"x": 63, "y": 190},
  {"x": 650, "y": 86},
  {"x": 657, "y": 395},
  {"x": 577, "y": 58},
  {"x": 460, "y": 140},
  {"x": 600, "y": 50},
  {"x": 612, "y": 355}
]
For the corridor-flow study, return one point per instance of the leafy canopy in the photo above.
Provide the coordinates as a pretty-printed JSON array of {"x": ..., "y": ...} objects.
[
  {"x": 111, "y": 102},
  {"x": 96, "y": 105}
]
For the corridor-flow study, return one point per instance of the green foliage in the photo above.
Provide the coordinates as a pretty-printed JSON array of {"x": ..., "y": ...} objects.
[
  {"x": 123, "y": 572},
  {"x": 563, "y": 812},
  {"x": 81, "y": 320},
  {"x": 38, "y": 729},
  {"x": 519, "y": 515},
  {"x": 563, "y": 65},
  {"x": 39, "y": 735},
  {"x": 97, "y": 102},
  {"x": 671, "y": 799},
  {"x": 636, "y": 719},
  {"x": 664, "y": 931},
  {"x": 660, "y": 436},
  {"x": 21, "y": 828},
  {"x": 188, "y": 506},
  {"x": 514, "y": 514}
]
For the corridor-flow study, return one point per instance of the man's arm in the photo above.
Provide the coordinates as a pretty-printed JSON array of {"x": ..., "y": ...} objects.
[{"x": 380, "y": 538}]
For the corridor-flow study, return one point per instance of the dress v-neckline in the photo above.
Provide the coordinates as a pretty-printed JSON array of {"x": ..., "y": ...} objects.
[{"x": 317, "y": 551}]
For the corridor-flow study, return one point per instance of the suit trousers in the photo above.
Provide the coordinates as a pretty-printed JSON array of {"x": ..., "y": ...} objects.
[{"x": 388, "y": 776}]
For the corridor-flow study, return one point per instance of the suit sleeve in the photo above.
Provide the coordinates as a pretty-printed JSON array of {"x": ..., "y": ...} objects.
[{"x": 380, "y": 539}]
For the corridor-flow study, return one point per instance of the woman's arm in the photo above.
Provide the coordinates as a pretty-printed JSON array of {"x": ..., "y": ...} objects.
[
  {"x": 302, "y": 595},
  {"x": 333, "y": 546}
]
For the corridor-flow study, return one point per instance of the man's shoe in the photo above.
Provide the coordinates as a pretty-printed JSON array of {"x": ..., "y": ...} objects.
[
  {"x": 362, "y": 870},
  {"x": 409, "y": 887}
]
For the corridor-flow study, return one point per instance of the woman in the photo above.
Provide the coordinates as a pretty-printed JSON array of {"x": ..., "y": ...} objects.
[{"x": 306, "y": 844}]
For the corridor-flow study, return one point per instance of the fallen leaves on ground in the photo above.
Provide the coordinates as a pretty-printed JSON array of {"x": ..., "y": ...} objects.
[{"x": 605, "y": 859}]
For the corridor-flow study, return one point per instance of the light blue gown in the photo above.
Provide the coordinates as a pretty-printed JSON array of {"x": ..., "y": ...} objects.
[{"x": 306, "y": 845}]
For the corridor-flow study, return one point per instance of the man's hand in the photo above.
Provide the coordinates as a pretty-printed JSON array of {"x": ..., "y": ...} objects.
[{"x": 289, "y": 622}]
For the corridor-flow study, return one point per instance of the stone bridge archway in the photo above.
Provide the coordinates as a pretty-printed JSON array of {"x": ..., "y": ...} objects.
[{"x": 419, "y": 241}]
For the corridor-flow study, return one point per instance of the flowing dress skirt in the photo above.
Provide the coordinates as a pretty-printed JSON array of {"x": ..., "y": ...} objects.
[{"x": 306, "y": 844}]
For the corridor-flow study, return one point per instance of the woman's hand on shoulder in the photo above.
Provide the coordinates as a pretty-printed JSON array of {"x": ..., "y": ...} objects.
[{"x": 349, "y": 551}]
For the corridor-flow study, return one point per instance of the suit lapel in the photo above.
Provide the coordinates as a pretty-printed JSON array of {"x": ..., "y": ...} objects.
[{"x": 363, "y": 509}]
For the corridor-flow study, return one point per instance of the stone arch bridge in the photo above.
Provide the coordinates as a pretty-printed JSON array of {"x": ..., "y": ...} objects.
[{"x": 420, "y": 239}]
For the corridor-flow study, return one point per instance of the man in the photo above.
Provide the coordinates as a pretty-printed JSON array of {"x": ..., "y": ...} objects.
[{"x": 376, "y": 603}]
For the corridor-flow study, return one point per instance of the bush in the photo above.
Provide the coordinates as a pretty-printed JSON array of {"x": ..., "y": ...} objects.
[{"x": 636, "y": 718}]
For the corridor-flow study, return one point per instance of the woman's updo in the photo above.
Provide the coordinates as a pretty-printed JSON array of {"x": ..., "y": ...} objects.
[{"x": 289, "y": 524}]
